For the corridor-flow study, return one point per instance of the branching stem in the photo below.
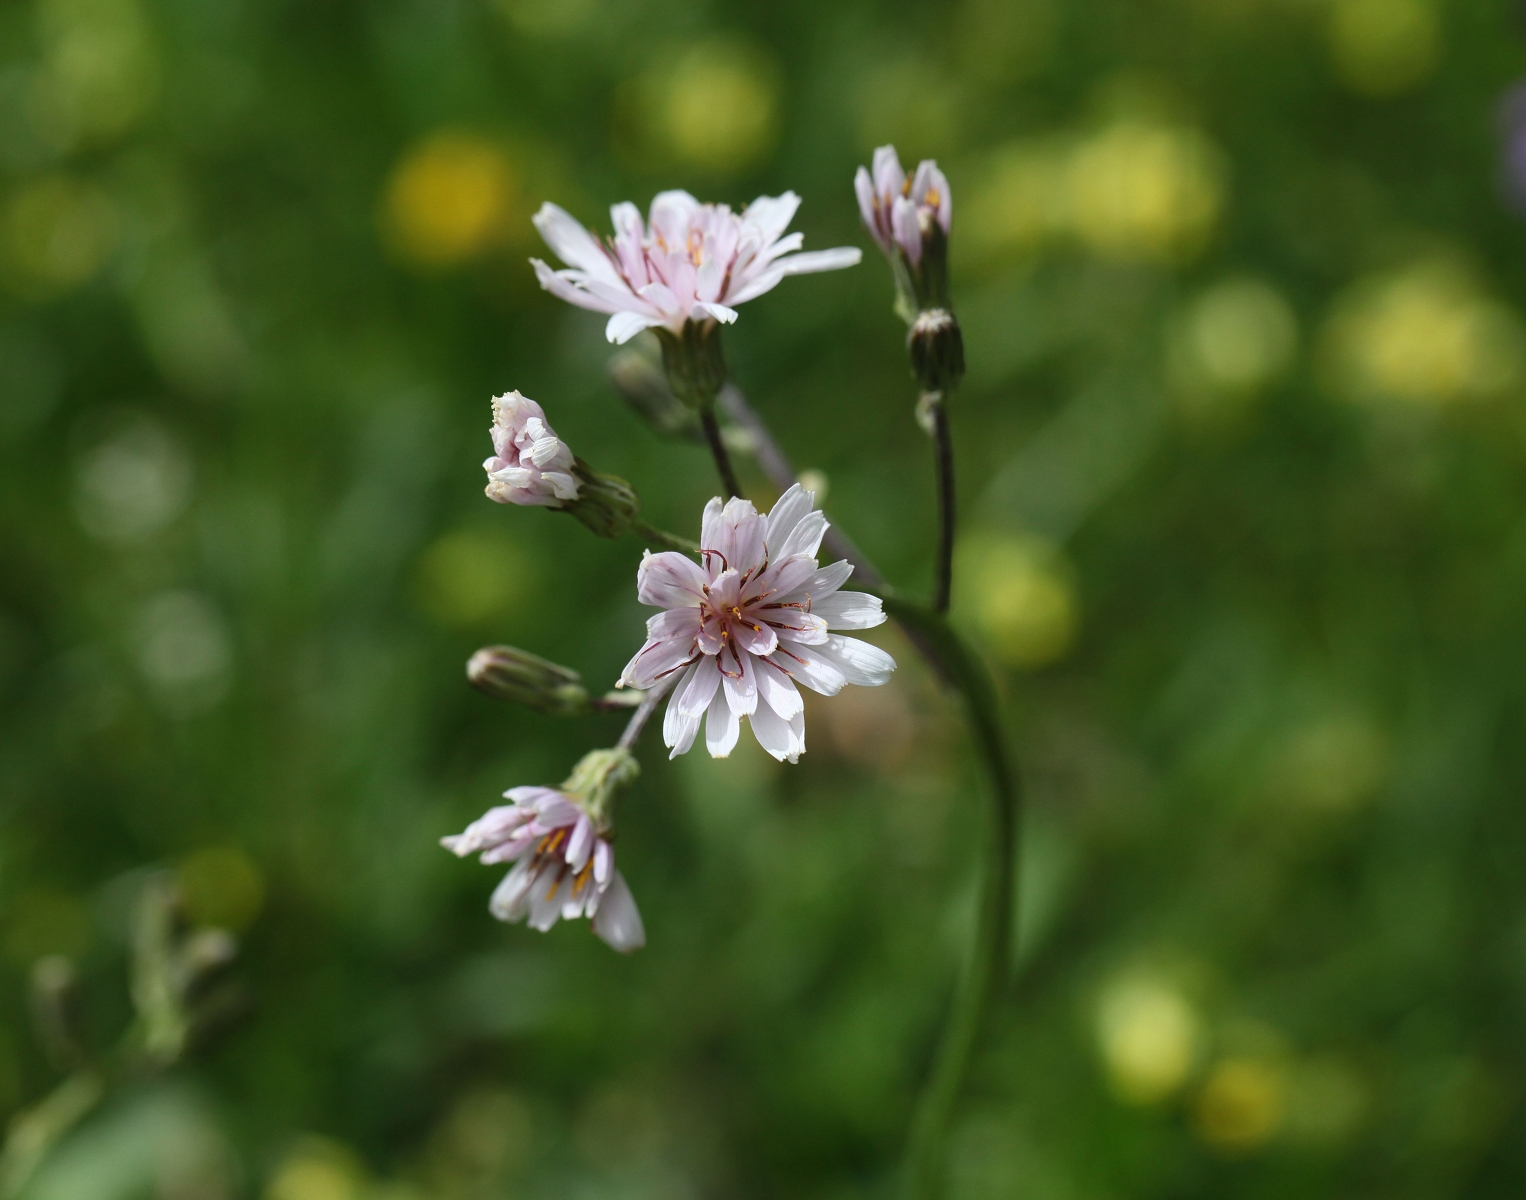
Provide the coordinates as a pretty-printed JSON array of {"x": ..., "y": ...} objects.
[{"x": 986, "y": 969}]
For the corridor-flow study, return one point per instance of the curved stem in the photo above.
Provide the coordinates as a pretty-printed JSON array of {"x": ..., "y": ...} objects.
[
  {"x": 712, "y": 430},
  {"x": 944, "y": 443},
  {"x": 986, "y": 968},
  {"x": 980, "y": 985},
  {"x": 669, "y": 541}
]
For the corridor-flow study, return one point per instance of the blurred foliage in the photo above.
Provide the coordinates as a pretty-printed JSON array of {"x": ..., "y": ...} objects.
[{"x": 1243, "y": 470}]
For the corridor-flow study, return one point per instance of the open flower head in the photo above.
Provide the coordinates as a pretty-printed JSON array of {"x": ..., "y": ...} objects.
[
  {"x": 742, "y": 627},
  {"x": 687, "y": 262},
  {"x": 564, "y": 866},
  {"x": 530, "y": 464},
  {"x": 901, "y": 210}
]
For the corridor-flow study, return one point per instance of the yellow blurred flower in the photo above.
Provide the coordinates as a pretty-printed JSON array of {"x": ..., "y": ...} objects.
[
  {"x": 449, "y": 199},
  {"x": 221, "y": 886},
  {"x": 1136, "y": 191},
  {"x": 319, "y": 1169},
  {"x": 1423, "y": 335},
  {"x": 99, "y": 71},
  {"x": 1382, "y": 47},
  {"x": 59, "y": 231},
  {"x": 1331, "y": 764},
  {"x": 1141, "y": 190},
  {"x": 1149, "y": 1036},
  {"x": 471, "y": 576},
  {"x": 1241, "y": 1104},
  {"x": 1228, "y": 345},
  {"x": 1019, "y": 592},
  {"x": 717, "y": 107}
]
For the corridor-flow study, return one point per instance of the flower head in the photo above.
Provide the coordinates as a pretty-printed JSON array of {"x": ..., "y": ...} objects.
[
  {"x": 564, "y": 865},
  {"x": 741, "y": 628},
  {"x": 687, "y": 262},
  {"x": 901, "y": 210},
  {"x": 530, "y": 464}
]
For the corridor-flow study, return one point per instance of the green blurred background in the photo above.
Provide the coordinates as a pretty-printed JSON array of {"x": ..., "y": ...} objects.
[{"x": 1243, "y": 476}]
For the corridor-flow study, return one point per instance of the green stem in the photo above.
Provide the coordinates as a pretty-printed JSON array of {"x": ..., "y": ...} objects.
[
  {"x": 986, "y": 970},
  {"x": 669, "y": 541},
  {"x": 35, "y": 1132}
]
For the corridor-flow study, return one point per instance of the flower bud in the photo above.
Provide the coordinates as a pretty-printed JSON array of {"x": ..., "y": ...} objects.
[
  {"x": 508, "y": 673},
  {"x": 937, "y": 350},
  {"x": 606, "y": 504},
  {"x": 910, "y": 218},
  {"x": 694, "y": 362},
  {"x": 643, "y": 384},
  {"x": 530, "y": 464},
  {"x": 595, "y": 780}
]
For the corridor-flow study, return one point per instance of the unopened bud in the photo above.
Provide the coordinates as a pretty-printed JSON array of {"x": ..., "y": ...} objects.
[
  {"x": 508, "y": 673},
  {"x": 694, "y": 362},
  {"x": 937, "y": 350},
  {"x": 606, "y": 504},
  {"x": 595, "y": 780}
]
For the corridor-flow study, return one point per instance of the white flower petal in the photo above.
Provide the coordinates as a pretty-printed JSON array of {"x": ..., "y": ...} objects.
[
  {"x": 805, "y": 664},
  {"x": 861, "y": 663},
  {"x": 670, "y": 580},
  {"x": 741, "y": 685},
  {"x": 785, "y": 515},
  {"x": 806, "y": 537},
  {"x": 850, "y": 610},
  {"x": 784, "y": 739},
  {"x": 625, "y": 325},
  {"x": 722, "y": 727},
  {"x": 618, "y": 921},
  {"x": 573, "y": 244},
  {"x": 698, "y": 688},
  {"x": 812, "y": 261},
  {"x": 563, "y": 288},
  {"x": 778, "y": 692}
]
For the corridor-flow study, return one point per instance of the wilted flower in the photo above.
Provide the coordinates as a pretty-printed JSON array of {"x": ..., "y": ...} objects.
[
  {"x": 530, "y": 464},
  {"x": 901, "y": 210},
  {"x": 688, "y": 262},
  {"x": 564, "y": 865},
  {"x": 742, "y": 629}
]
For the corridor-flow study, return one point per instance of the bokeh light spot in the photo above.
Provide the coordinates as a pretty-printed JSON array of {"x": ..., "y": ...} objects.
[
  {"x": 471, "y": 576},
  {"x": 1020, "y": 594},
  {"x": 1383, "y": 47},
  {"x": 319, "y": 1169},
  {"x": 448, "y": 199},
  {"x": 1230, "y": 342},
  {"x": 221, "y": 886},
  {"x": 1241, "y": 1104},
  {"x": 46, "y": 921},
  {"x": 1424, "y": 335},
  {"x": 715, "y": 107},
  {"x": 184, "y": 650},
  {"x": 1146, "y": 191},
  {"x": 59, "y": 232},
  {"x": 133, "y": 484},
  {"x": 1149, "y": 1035}
]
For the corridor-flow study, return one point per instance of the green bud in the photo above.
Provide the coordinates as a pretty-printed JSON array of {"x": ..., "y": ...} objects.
[
  {"x": 606, "y": 504},
  {"x": 595, "y": 780},
  {"x": 937, "y": 350},
  {"x": 508, "y": 673},
  {"x": 643, "y": 384},
  {"x": 695, "y": 364}
]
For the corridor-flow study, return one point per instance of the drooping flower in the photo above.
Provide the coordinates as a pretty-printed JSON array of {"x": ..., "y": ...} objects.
[
  {"x": 564, "y": 865},
  {"x": 530, "y": 464},
  {"x": 898, "y": 210},
  {"x": 751, "y": 620},
  {"x": 688, "y": 262}
]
